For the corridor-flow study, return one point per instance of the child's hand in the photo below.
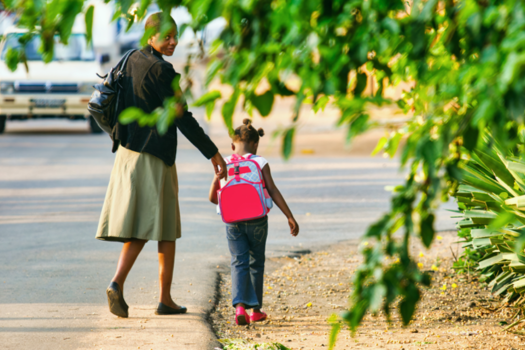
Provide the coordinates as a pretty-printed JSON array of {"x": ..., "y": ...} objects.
[
  {"x": 294, "y": 226},
  {"x": 215, "y": 185}
]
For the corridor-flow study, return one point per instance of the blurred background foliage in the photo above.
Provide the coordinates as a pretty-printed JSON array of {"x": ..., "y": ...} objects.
[{"x": 464, "y": 61}]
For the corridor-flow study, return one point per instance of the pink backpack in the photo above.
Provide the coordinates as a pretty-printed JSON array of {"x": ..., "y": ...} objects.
[{"x": 244, "y": 197}]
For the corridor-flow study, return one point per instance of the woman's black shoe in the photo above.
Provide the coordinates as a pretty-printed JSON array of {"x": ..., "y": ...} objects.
[
  {"x": 163, "y": 309},
  {"x": 117, "y": 305}
]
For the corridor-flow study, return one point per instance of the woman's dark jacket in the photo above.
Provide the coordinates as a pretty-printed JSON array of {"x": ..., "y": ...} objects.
[{"x": 147, "y": 82}]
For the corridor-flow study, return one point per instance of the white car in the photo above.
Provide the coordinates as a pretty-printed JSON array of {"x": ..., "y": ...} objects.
[{"x": 58, "y": 89}]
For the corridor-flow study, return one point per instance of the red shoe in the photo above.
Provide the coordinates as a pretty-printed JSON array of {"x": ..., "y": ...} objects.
[
  {"x": 241, "y": 317},
  {"x": 258, "y": 316}
]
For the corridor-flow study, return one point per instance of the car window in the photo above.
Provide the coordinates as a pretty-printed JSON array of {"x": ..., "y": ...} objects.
[{"x": 76, "y": 49}]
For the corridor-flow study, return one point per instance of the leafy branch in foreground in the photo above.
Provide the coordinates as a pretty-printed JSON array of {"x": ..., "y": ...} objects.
[{"x": 468, "y": 81}]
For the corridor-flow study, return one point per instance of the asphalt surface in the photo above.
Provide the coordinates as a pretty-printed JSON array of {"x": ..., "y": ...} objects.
[{"x": 53, "y": 272}]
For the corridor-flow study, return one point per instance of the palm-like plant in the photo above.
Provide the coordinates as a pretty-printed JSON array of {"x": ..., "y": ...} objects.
[{"x": 491, "y": 201}]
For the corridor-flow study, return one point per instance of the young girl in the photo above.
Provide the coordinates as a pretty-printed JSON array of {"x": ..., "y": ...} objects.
[{"x": 247, "y": 239}]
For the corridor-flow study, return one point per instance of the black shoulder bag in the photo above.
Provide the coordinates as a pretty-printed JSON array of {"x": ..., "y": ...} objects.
[{"x": 104, "y": 102}]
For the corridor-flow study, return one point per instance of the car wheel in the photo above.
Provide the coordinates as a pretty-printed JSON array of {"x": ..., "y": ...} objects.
[
  {"x": 3, "y": 118},
  {"x": 95, "y": 129}
]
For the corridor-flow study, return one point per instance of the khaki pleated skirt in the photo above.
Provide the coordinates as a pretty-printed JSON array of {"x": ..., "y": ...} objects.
[{"x": 142, "y": 200}]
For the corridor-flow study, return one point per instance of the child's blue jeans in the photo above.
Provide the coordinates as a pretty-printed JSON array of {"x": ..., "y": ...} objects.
[{"x": 247, "y": 242}]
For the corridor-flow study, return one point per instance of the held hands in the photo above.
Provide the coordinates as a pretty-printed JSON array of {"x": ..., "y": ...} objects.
[
  {"x": 220, "y": 166},
  {"x": 294, "y": 226}
]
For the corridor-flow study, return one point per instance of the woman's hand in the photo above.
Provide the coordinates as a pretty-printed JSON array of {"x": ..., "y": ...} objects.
[
  {"x": 294, "y": 226},
  {"x": 220, "y": 166}
]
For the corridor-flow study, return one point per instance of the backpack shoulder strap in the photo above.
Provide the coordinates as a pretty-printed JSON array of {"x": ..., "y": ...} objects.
[
  {"x": 121, "y": 65},
  {"x": 235, "y": 160},
  {"x": 124, "y": 60},
  {"x": 117, "y": 71},
  {"x": 236, "y": 157},
  {"x": 251, "y": 156}
]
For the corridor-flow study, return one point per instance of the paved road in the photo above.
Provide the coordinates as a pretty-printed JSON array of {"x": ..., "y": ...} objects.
[{"x": 53, "y": 273}]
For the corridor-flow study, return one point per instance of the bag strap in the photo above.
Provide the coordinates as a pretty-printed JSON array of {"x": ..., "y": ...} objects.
[
  {"x": 235, "y": 160},
  {"x": 251, "y": 156},
  {"x": 124, "y": 60},
  {"x": 121, "y": 65},
  {"x": 119, "y": 74},
  {"x": 237, "y": 157}
]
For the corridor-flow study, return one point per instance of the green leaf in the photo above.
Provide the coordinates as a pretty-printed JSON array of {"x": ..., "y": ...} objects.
[
  {"x": 393, "y": 144},
  {"x": 12, "y": 59},
  {"x": 501, "y": 220},
  {"x": 408, "y": 305},
  {"x": 334, "y": 331},
  {"x": 163, "y": 122},
  {"x": 376, "y": 229},
  {"x": 175, "y": 85},
  {"x": 208, "y": 97},
  {"x": 360, "y": 85},
  {"x": 287, "y": 146},
  {"x": 358, "y": 126},
  {"x": 212, "y": 71},
  {"x": 89, "y": 23},
  {"x": 475, "y": 178},
  {"x": 517, "y": 167},
  {"x": 210, "y": 106},
  {"x": 519, "y": 201},
  {"x": 279, "y": 88},
  {"x": 228, "y": 108},
  {"x": 356, "y": 314},
  {"x": 376, "y": 298},
  {"x": 494, "y": 164},
  {"x": 130, "y": 114},
  {"x": 146, "y": 36},
  {"x": 321, "y": 104},
  {"x": 263, "y": 103},
  {"x": 512, "y": 64},
  {"x": 380, "y": 145},
  {"x": 427, "y": 230},
  {"x": 484, "y": 112},
  {"x": 131, "y": 22},
  {"x": 470, "y": 137},
  {"x": 280, "y": 346}
]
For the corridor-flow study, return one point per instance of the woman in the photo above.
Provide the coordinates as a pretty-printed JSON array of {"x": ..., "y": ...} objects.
[{"x": 142, "y": 199}]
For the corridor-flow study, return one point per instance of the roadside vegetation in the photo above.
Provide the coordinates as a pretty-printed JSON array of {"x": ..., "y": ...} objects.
[{"x": 491, "y": 199}]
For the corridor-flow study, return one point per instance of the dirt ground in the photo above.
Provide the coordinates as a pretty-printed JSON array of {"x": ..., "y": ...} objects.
[{"x": 301, "y": 292}]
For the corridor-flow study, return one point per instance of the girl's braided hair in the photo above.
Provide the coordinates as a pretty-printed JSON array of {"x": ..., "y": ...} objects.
[{"x": 247, "y": 133}]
